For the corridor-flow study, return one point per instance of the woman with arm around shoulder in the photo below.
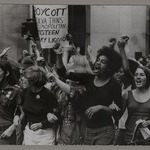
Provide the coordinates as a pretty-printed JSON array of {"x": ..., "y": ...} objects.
[
  {"x": 96, "y": 100},
  {"x": 38, "y": 102},
  {"x": 137, "y": 102}
]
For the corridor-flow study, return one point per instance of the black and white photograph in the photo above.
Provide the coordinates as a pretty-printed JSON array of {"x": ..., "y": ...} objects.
[{"x": 74, "y": 75}]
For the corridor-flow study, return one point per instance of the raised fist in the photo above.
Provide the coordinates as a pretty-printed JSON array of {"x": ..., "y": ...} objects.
[
  {"x": 125, "y": 37},
  {"x": 89, "y": 48},
  {"x": 122, "y": 43}
]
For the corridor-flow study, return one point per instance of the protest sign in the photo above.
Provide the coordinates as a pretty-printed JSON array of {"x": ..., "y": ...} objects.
[{"x": 52, "y": 23}]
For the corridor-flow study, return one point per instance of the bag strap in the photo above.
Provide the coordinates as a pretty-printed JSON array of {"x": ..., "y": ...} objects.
[{"x": 135, "y": 133}]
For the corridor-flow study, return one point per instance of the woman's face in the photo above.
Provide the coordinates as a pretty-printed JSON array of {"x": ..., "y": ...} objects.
[
  {"x": 140, "y": 78},
  {"x": 101, "y": 65},
  {"x": 119, "y": 75},
  {"x": 24, "y": 83},
  {"x": 1, "y": 74}
]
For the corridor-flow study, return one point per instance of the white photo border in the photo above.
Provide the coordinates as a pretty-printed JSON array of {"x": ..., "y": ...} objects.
[{"x": 76, "y": 2}]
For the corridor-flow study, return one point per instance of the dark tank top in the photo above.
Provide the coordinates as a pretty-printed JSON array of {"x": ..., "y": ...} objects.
[{"x": 136, "y": 110}]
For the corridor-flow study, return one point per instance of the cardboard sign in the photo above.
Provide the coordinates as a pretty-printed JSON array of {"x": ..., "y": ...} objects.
[{"x": 52, "y": 23}]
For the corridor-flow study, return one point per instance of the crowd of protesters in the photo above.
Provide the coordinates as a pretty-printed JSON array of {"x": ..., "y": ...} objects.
[{"x": 80, "y": 100}]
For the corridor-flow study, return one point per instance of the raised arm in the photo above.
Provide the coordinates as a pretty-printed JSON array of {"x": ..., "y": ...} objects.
[
  {"x": 65, "y": 56},
  {"x": 121, "y": 46},
  {"x": 63, "y": 86},
  {"x": 92, "y": 58},
  {"x": 35, "y": 50}
]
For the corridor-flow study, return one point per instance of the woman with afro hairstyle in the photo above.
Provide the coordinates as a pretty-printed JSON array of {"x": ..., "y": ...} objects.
[{"x": 101, "y": 90}]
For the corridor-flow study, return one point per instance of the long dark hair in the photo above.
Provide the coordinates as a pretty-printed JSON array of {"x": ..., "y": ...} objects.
[
  {"x": 147, "y": 73},
  {"x": 6, "y": 67}
]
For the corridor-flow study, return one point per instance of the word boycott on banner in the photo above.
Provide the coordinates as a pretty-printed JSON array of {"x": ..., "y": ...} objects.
[{"x": 52, "y": 23}]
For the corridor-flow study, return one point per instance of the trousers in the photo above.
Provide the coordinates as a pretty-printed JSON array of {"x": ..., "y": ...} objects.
[{"x": 99, "y": 136}]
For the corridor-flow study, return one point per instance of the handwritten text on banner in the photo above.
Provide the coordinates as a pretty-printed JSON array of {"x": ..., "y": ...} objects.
[{"x": 52, "y": 23}]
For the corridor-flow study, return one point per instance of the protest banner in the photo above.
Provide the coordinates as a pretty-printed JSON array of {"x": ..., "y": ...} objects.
[{"x": 52, "y": 23}]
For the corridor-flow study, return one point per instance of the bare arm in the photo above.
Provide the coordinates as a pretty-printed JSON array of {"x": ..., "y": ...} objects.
[
  {"x": 65, "y": 57},
  {"x": 121, "y": 46},
  {"x": 35, "y": 50},
  {"x": 107, "y": 109},
  {"x": 63, "y": 86},
  {"x": 124, "y": 100},
  {"x": 18, "y": 118},
  {"x": 8, "y": 132},
  {"x": 22, "y": 113},
  {"x": 94, "y": 109},
  {"x": 92, "y": 58}
]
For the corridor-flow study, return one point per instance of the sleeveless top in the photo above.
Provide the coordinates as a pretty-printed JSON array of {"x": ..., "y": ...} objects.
[{"x": 136, "y": 110}]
